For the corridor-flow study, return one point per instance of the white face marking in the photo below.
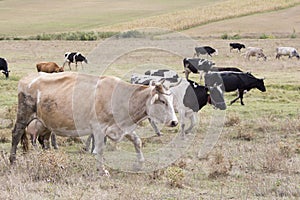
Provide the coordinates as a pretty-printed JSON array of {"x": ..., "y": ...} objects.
[{"x": 195, "y": 85}]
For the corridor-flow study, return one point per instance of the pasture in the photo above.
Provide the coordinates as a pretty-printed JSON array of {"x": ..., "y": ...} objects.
[{"x": 257, "y": 155}]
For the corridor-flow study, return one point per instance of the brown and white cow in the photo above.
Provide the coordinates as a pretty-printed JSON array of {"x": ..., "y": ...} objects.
[
  {"x": 255, "y": 51},
  {"x": 72, "y": 104},
  {"x": 49, "y": 67}
]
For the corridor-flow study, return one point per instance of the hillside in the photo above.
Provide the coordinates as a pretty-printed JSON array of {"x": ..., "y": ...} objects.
[{"x": 280, "y": 23}]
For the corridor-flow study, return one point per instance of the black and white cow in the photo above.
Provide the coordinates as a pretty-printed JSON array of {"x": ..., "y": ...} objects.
[
  {"x": 196, "y": 65},
  {"x": 205, "y": 50},
  {"x": 74, "y": 57},
  {"x": 3, "y": 67},
  {"x": 287, "y": 51},
  {"x": 237, "y": 46},
  {"x": 232, "y": 81},
  {"x": 189, "y": 97}
]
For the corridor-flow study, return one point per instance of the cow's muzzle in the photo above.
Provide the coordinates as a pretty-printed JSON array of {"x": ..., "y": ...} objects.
[{"x": 173, "y": 123}]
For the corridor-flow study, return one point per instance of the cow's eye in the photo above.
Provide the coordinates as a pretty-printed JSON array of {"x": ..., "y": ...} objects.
[{"x": 163, "y": 102}]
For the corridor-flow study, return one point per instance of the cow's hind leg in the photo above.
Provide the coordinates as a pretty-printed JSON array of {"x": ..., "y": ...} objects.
[
  {"x": 26, "y": 108},
  {"x": 99, "y": 141},
  {"x": 53, "y": 141}
]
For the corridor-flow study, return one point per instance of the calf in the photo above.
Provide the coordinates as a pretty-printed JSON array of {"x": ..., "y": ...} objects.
[
  {"x": 189, "y": 97},
  {"x": 286, "y": 51},
  {"x": 3, "y": 67},
  {"x": 205, "y": 50},
  {"x": 232, "y": 81},
  {"x": 237, "y": 46},
  {"x": 196, "y": 65},
  {"x": 36, "y": 129},
  {"x": 255, "y": 51},
  {"x": 74, "y": 57},
  {"x": 49, "y": 67}
]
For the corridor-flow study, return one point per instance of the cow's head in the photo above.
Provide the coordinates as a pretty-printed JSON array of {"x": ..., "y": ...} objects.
[
  {"x": 61, "y": 69},
  {"x": 217, "y": 96},
  {"x": 261, "y": 85},
  {"x": 160, "y": 106},
  {"x": 6, "y": 73}
]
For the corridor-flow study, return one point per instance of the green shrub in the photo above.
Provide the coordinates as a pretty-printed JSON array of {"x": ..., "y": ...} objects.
[
  {"x": 293, "y": 35},
  {"x": 265, "y": 36},
  {"x": 225, "y": 36}
]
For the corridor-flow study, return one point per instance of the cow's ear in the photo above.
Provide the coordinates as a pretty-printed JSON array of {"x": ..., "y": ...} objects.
[
  {"x": 152, "y": 83},
  {"x": 154, "y": 98},
  {"x": 162, "y": 81}
]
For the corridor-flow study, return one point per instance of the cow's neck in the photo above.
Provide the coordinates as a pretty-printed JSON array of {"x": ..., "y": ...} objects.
[{"x": 138, "y": 104}]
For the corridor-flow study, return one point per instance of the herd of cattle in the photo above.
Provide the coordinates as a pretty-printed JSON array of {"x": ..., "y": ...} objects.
[{"x": 111, "y": 108}]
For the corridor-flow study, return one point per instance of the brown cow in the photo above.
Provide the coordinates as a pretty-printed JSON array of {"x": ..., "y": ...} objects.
[
  {"x": 49, "y": 67},
  {"x": 84, "y": 104}
]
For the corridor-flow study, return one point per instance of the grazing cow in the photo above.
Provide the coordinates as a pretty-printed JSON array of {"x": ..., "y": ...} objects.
[
  {"x": 286, "y": 51},
  {"x": 36, "y": 129},
  {"x": 205, "y": 50},
  {"x": 189, "y": 97},
  {"x": 74, "y": 57},
  {"x": 49, "y": 67},
  {"x": 237, "y": 46},
  {"x": 255, "y": 51},
  {"x": 83, "y": 104},
  {"x": 232, "y": 81},
  {"x": 3, "y": 67},
  {"x": 196, "y": 65}
]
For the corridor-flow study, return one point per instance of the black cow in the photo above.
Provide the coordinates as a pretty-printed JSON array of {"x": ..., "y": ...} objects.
[
  {"x": 238, "y": 46},
  {"x": 74, "y": 57},
  {"x": 235, "y": 81},
  {"x": 189, "y": 97},
  {"x": 205, "y": 50},
  {"x": 196, "y": 65},
  {"x": 3, "y": 67},
  {"x": 224, "y": 69}
]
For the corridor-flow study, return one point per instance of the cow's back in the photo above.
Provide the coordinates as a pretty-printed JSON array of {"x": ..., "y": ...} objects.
[{"x": 58, "y": 97}]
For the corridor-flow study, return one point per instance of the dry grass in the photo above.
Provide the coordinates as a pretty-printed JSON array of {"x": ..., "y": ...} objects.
[
  {"x": 182, "y": 20},
  {"x": 256, "y": 157}
]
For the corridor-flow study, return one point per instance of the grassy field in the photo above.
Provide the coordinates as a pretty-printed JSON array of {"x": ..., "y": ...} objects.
[
  {"x": 36, "y": 17},
  {"x": 256, "y": 157}
]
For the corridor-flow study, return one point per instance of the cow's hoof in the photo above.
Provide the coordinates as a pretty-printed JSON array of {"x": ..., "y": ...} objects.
[
  {"x": 12, "y": 159},
  {"x": 104, "y": 173}
]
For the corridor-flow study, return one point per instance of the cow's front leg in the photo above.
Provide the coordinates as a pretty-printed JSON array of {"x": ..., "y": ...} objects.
[
  {"x": 135, "y": 139},
  {"x": 193, "y": 122},
  {"x": 154, "y": 126}
]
